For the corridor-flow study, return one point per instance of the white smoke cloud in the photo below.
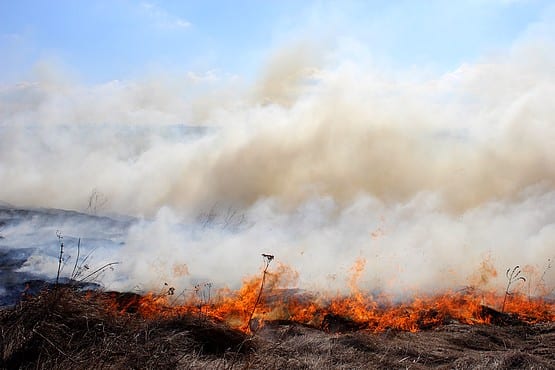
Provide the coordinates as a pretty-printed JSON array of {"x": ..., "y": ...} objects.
[{"x": 423, "y": 177}]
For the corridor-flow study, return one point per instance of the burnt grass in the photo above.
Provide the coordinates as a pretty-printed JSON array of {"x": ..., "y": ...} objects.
[{"x": 65, "y": 328}]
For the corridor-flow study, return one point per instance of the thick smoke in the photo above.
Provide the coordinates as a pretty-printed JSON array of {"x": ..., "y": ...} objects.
[{"x": 324, "y": 161}]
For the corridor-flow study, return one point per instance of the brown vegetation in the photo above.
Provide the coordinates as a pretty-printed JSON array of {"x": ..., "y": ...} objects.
[{"x": 64, "y": 328}]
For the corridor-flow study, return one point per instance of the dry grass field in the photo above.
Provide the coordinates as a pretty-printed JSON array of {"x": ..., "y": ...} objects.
[{"x": 66, "y": 329}]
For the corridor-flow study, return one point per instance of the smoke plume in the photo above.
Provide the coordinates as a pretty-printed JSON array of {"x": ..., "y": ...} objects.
[{"x": 321, "y": 161}]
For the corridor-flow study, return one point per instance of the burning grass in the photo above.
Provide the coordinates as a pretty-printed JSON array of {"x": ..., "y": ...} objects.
[
  {"x": 360, "y": 312},
  {"x": 65, "y": 328},
  {"x": 249, "y": 307},
  {"x": 264, "y": 325}
]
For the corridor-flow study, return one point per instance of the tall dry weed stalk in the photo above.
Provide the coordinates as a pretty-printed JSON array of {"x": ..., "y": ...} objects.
[
  {"x": 61, "y": 257},
  {"x": 512, "y": 277},
  {"x": 267, "y": 260}
]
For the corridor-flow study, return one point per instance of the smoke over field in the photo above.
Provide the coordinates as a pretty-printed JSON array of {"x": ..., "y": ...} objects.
[{"x": 435, "y": 181}]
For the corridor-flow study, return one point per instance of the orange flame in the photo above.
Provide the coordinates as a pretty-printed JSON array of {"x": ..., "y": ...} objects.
[{"x": 468, "y": 306}]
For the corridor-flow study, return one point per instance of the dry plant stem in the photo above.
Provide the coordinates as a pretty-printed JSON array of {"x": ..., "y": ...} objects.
[
  {"x": 77, "y": 259},
  {"x": 100, "y": 269},
  {"x": 267, "y": 259},
  {"x": 545, "y": 270},
  {"x": 60, "y": 259},
  {"x": 53, "y": 345},
  {"x": 512, "y": 276}
]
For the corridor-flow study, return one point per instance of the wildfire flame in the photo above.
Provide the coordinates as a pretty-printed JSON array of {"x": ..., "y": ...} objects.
[{"x": 365, "y": 311}]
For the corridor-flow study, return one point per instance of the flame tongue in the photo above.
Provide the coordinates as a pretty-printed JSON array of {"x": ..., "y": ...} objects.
[
  {"x": 265, "y": 298},
  {"x": 357, "y": 311}
]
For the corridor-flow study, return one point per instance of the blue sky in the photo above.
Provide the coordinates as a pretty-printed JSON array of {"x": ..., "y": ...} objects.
[{"x": 106, "y": 40}]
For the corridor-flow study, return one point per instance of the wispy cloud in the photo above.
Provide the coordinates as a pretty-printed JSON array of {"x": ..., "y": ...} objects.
[{"x": 162, "y": 18}]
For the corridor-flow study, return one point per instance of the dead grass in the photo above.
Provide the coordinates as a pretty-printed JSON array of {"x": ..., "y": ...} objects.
[
  {"x": 453, "y": 346},
  {"x": 66, "y": 329}
]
